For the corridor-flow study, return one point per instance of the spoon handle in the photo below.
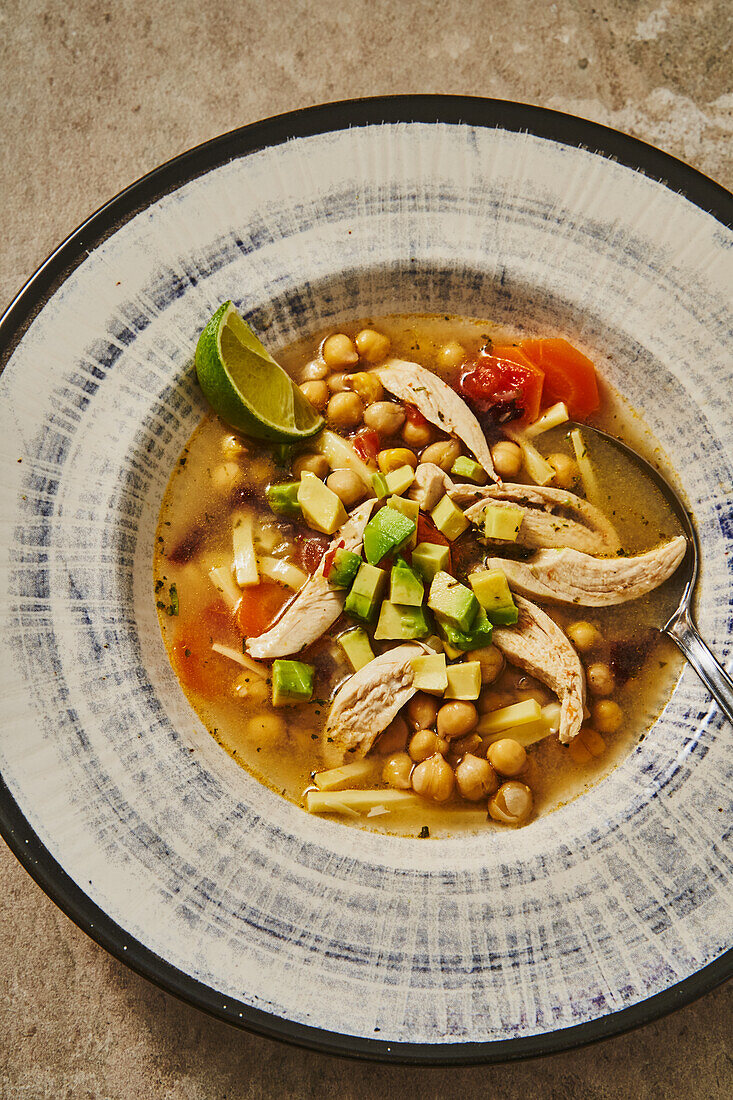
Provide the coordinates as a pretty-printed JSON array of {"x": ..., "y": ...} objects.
[{"x": 684, "y": 632}]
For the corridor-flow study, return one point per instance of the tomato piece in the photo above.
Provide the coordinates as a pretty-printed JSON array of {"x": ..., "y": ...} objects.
[
  {"x": 569, "y": 375},
  {"x": 366, "y": 444},
  {"x": 307, "y": 552},
  {"x": 197, "y": 666},
  {"x": 414, "y": 416},
  {"x": 258, "y": 607},
  {"x": 428, "y": 532},
  {"x": 507, "y": 374},
  {"x": 217, "y": 624}
]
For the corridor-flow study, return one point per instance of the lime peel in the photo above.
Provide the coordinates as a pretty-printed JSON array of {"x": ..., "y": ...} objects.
[{"x": 246, "y": 387}]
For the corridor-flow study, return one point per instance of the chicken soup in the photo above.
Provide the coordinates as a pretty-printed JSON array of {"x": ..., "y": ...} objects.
[{"x": 403, "y": 588}]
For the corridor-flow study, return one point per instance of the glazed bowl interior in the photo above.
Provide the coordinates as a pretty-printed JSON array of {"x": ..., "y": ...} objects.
[{"x": 449, "y": 944}]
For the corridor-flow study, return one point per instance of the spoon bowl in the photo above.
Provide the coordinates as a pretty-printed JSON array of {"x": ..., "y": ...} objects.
[{"x": 680, "y": 626}]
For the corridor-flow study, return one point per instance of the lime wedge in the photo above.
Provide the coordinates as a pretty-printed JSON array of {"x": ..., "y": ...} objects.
[{"x": 246, "y": 387}]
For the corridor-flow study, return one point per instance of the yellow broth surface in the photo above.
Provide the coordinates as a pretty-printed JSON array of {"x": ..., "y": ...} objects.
[{"x": 221, "y": 478}]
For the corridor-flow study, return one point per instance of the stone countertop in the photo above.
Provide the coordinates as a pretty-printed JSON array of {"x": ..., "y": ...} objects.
[{"x": 94, "y": 94}]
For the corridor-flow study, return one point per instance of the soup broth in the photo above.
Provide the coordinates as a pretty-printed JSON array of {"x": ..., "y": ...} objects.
[{"x": 221, "y": 482}]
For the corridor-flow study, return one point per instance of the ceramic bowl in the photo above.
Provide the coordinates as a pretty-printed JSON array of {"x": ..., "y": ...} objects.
[{"x": 592, "y": 919}]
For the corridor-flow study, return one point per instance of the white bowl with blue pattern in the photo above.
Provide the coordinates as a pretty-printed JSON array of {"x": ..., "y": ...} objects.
[{"x": 590, "y": 920}]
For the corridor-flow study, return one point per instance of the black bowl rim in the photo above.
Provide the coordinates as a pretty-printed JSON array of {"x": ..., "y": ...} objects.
[{"x": 20, "y": 837}]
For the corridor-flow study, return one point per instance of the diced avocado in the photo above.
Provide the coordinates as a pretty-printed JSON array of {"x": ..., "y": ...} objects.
[
  {"x": 451, "y": 651},
  {"x": 400, "y": 480},
  {"x": 344, "y": 567},
  {"x": 452, "y": 601},
  {"x": 292, "y": 682},
  {"x": 429, "y": 558},
  {"x": 464, "y": 680},
  {"x": 355, "y": 644},
  {"x": 322, "y": 509},
  {"x": 386, "y": 532},
  {"x": 504, "y": 616},
  {"x": 409, "y": 508},
  {"x": 502, "y": 521},
  {"x": 458, "y": 641},
  {"x": 430, "y": 673},
  {"x": 366, "y": 592},
  {"x": 283, "y": 499},
  {"x": 491, "y": 589},
  {"x": 469, "y": 470},
  {"x": 449, "y": 519},
  {"x": 379, "y": 485},
  {"x": 397, "y": 621},
  {"x": 405, "y": 585}
]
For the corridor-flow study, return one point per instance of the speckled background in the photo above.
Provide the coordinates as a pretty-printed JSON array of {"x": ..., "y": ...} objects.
[{"x": 92, "y": 96}]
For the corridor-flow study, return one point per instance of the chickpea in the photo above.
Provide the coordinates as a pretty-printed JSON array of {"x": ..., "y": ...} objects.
[
  {"x": 512, "y": 803},
  {"x": 397, "y": 771},
  {"x": 394, "y": 737},
  {"x": 348, "y": 486},
  {"x": 476, "y": 778},
  {"x": 494, "y": 700},
  {"x": 372, "y": 345},
  {"x": 312, "y": 464},
  {"x": 538, "y": 694},
  {"x": 425, "y": 743},
  {"x": 385, "y": 417},
  {"x": 507, "y": 756},
  {"x": 252, "y": 688},
  {"x": 368, "y": 387},
  {"x": 451, "y": 354},
  {"x": 314, "y": 371},
  {"x": 607, "y": 716},
  {"x": 491, "y": 660},
  {"x": 316, "y": 393},
  {"x": 443, "y": 454},
  {"x": 417, "y": 435},
  {"x": 232, "y": 448},
  {"x": 422, "y": 712},
  {"x": 601, "y": 680},
  {"x": 225, "y": 476},
  {"x": 456, "y": 719},
  {"x": 339, "y": 382},
  {"x": 433, "y": 778},
  {"x": 566, "y": 470},
  {"x": 345, "y": 410},
  {"x": 265, "y": 729},
  {"x": 471, "y": 743},
  {"x": 584, "y": 636},
  {"x": 585, "y": 745},
  {"x": 259, "y": 471},
  {"x": 394, "y": 457},
  {"x": 338, "y": 351},
  {"x": 507, "y": 458}
]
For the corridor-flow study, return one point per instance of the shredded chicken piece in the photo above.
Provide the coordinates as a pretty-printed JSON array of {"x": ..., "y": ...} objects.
[
  {"x": 568, "y": 576},
  {"x": 540, "y": 647},
  {"x": 590, "y": 532},
  {"x": 316, "y": 606},
  {"x": 438, "y": 403},
  {"x": 430, "y": 484},
  {"x": 541, "y": 530},
  {"x": 367, "y": 703}
]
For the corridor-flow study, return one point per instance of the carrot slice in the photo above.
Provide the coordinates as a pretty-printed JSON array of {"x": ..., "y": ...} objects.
[
  {"x": 569, "y": 375},
  {"x": 258, "y": 606}
]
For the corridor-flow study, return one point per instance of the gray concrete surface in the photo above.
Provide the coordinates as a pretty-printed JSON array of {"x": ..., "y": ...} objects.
[{"x": 92, "y": 95}]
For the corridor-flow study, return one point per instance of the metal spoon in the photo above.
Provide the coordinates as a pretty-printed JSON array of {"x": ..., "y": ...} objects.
[{"x": 681, "y": 627}]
